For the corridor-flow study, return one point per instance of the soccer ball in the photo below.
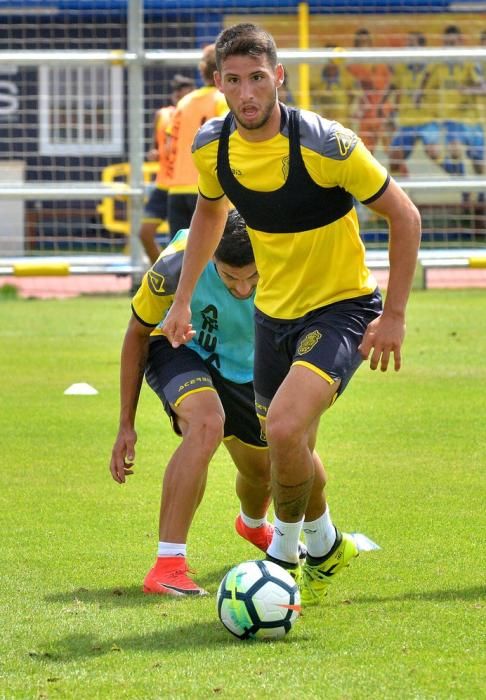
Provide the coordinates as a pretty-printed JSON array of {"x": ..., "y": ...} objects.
[{"x": 258, "y": 600}]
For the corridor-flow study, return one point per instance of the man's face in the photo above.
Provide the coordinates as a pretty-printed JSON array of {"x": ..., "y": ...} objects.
[
  {"x": 240, "y": 281},
  {"x": 452, "y": 39},
  {"x": 413, "y": 40},
  {"x": 250, "y": 85},
  {"x": 362, "y": 40}
]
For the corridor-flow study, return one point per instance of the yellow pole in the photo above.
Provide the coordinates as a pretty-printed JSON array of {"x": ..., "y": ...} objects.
[
  {"x": 477, "y": 263},
  {"x": 304, "y": 80},
  {"x": 33, "y": 269}
]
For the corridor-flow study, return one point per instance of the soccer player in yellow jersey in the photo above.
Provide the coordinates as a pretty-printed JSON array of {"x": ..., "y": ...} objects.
[
  {"x": 416, "y": 112},
  {"x": 192, "y": 111},
  {"x": 156, "y": 208},
  {"x": 294, "y": 177}
]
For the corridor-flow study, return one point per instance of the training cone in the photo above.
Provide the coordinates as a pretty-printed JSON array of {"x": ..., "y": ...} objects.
[{"x": 81, "y": 389}]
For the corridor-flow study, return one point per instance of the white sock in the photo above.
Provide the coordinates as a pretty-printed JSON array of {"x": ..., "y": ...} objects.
[
  {"x": 285, "y": 541},
  {"x": 171, "y": 549},
  {"x": 320, "y": 535},
  {"x": 252, "y": 522}
]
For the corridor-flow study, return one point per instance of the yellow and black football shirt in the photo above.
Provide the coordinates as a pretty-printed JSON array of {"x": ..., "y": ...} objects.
[{"x": 296, "y": 192}]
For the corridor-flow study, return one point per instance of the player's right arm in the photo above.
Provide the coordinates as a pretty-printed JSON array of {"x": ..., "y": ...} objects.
[
  {"x": 205, "y": 232},
  {"x": 132, "y": 368}
]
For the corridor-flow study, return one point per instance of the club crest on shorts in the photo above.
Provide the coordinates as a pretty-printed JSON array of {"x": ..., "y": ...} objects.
[
  {"x": 156, "y": 283},
  {"x": 307, "y": 343}
]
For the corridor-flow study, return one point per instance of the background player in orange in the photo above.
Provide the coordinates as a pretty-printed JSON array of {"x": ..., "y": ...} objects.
[
  {"x": 191, "y": 113},
  {"x": 156, "y": 208},
  {"x": 372, "y": 105}
]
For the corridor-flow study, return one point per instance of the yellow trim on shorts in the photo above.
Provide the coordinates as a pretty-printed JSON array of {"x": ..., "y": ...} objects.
[
  {"x": 152, "y": 219},
  {"x": 246, "y": 444},
  {"x": 193, "y": 391},
  {"x": 316, "y": 370},
  {"x": 320, "y": 373},
  {"x": 182, "y": 189}
]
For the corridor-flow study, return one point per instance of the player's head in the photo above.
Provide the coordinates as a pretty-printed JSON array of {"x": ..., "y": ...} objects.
[
  {"x": 249, "y": 75},
  {"x": 207, "y": 64},
  {"x": 362, "y": 39},
  {"x": 234, "y": 259},
  {"x": 452, "y": 36},
  {"x": 180, "y": 85},
  {"x": 416, "y": 39},
  {"x": 245, "y": 39}
]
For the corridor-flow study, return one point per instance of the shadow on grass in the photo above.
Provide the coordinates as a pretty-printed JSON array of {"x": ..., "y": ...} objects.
[
  {"x": 132, "y": 596},
  {"x": 127, "y": 596},
  {"x": 189, "y": 637},
  {"x": 450, "y": 594}
]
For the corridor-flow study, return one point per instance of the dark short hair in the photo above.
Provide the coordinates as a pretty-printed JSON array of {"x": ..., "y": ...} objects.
[
  {"x": 207, "y": 64},
  {"x": 245, "y": 39},
  {"x": 452, "y": 29},
  {"x": 179, "y": 82},
  {"x": 235, "y": 247}
]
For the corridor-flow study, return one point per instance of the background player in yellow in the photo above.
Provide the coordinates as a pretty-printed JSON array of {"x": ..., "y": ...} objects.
[
  {"x": 192, "y": 111},
  {"x": 416, "y": 113},
  {"x": 332, "y": 90},
  {"x": 294, "y": 176},
  {"x": 156, "y": 208},
  {"x": 457, "y": 86}
]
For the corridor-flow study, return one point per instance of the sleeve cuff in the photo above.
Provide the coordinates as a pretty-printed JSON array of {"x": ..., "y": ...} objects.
[
  {"x": 140, "y": 320},
  {"x": 377, "y": 194},
  {"x": 211, "y": 199}
]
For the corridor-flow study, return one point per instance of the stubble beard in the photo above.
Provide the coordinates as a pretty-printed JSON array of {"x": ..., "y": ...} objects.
[{"x": 251, "y": 126}]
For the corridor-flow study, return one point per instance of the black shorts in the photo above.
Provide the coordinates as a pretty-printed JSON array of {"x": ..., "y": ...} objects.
[
  {"x": 156, "y": 206},
  {"x": 180, "y": 210},
  {"x": 175, "y": 373},
  {"x": 326, "y": 340}
]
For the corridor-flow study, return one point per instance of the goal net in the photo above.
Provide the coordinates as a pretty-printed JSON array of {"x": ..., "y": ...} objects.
[{"x": 409, "y": 78}]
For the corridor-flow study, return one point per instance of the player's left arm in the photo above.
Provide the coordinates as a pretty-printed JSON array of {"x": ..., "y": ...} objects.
[
  {"x": 149, "y": 304},
  {"x": 384, "y": 336},
  {"x": 132, "y": 367}
]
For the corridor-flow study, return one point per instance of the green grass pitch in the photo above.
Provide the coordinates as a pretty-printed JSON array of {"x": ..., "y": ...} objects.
[{"x": 406, "y": 455}]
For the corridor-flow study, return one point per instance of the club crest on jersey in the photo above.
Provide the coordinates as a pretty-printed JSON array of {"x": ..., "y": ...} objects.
[
  {"x": 307, "y": 343},
  {"x": 156, "y": 283},
  {"x": 345, "y": 141}
]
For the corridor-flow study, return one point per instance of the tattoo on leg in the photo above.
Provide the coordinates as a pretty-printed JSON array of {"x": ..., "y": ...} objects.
[{"x": 291, "y": 501}]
